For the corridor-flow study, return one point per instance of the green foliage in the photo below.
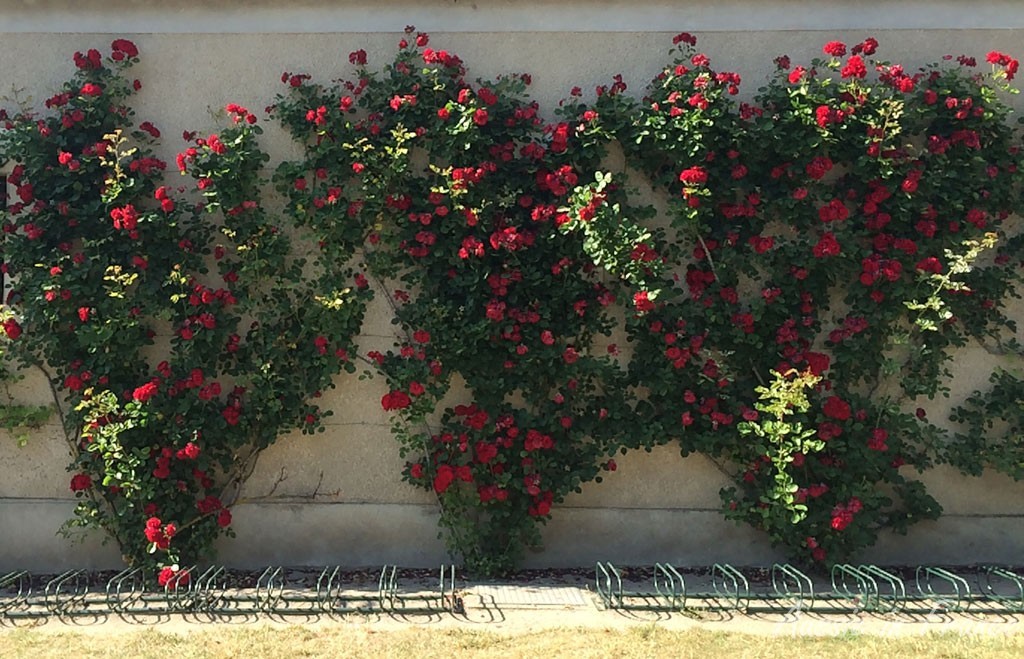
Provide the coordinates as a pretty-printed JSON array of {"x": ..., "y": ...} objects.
[
  {"x": 781, "y": 440},
  {"x": 16, "y": 418},
  {"x": 991, "y": 428},
  {"x": 933, "y": 310}
]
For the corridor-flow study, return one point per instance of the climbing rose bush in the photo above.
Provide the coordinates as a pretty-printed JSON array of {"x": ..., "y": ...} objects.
[
  {"x": 176, "y": 325},
  {"x": 458, "y": 191},
  {"x": 834, "y": 226}
]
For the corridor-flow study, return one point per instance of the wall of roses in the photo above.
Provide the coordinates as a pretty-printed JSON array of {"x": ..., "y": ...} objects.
[{"x": 339, "y": 496}]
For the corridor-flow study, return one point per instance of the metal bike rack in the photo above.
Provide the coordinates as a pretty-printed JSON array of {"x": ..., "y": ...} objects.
[
  {"x": 668, "y": 592},
  {"x": 391, "y": 598},
  {"x": 218, "y": 591}
]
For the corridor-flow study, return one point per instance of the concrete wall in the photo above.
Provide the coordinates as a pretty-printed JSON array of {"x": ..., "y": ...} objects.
[{"x": 336, "y": 497}]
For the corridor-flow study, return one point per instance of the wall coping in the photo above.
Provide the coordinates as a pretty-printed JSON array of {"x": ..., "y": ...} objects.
[{"x": 503, "y": 16}]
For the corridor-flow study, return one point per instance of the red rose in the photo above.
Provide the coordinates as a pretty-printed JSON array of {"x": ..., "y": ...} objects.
[
  {"x": 542, "y": 508},
  {"x": 208, "y": 505},
  {"x": 91, "y": 60},
  {"x": 836, "y": 408},
  {"x": 826, "y": 115},
  {"x": 485, "y": 452},
  {"x": 930, "y": 264},
  {"x": 827, "y": 246},
  {"x": 90, "y": 89},
  {"x": 443, "y": 479},
  {"x": 395, "y": 400},
  {"x": 841, "y": 519},
  {"x": 161, "y": 537},
  {"x": 818, "y": 167},
  {"x": 868, "y": 46},
  {"x": 854, "y": 68},
  {"x": 817, "y": 362},
  {"x": 1002, "y": 59},
  {"x": 125, "y": 218},
  {"x": 694, "y": 176},
  {"x": 835, "y": 48},
  {"x": 761, "y": 244},
  {"x": 496, "y": 310},
  {"x": 642, "y": 302},
  {"x": 171, "y": 577},
  {"x": 878, "y": 439},
  {"x": 480, "y": 117},
  {"x": 145, "y": 392},
  {"x": 834, "y": 211},
  {"x": 224, "y": 518},
  {"x": 190, "y": 452},
  {"x": 685, "y": 37},
  {"x": 124, "y": 46},
  {"x": 231, "y": 415},
  {"x": 12, "y": 329},
  {"x": 80, "y": 482}
]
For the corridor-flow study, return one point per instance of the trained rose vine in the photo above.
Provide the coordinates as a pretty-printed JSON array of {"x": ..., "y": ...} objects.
[
  {"x": 833, "y": 226},
  {"x": 109, "y": 260}
]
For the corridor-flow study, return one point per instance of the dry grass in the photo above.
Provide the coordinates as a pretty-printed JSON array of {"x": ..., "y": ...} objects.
[{"x": 423, "y": 642}]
